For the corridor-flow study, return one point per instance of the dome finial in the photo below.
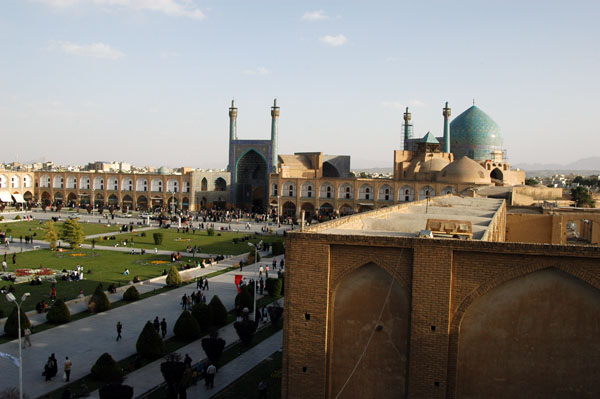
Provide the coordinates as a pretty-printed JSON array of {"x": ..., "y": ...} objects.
[{"x": 473, "y": 100}]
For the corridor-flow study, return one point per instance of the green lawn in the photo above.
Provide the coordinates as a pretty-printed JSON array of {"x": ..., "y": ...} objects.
[
  {"x": 174, "y": 241},
  {"x": 18, "y": 229},
  {"x": 107, "y": 267}
]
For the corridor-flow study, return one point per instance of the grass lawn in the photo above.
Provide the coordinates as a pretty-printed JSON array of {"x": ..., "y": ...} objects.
[
  {"x": 174, "y": 241},
  {"x": 18, "y": 229},
  {"x": 107, "y": 267}
]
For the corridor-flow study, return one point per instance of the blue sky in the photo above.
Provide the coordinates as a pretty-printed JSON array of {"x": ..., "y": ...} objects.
[{"x": 149, "y": 81}]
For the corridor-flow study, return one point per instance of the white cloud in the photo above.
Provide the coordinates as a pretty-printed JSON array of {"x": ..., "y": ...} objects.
[
  {"x": 96, "y": 50},
  {"x": 173, "y": 8},
  {"x": 401, "y": 105},
  {"x": 335, "y": 41},
  {"x": 168, "y": 54},
  {"x": 318, "y": 15},
  {"x": 257, "y": 71}
]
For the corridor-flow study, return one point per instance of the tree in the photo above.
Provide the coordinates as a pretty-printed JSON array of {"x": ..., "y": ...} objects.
[
  {"x": 275, "y": 313},
  {"x": 245, "y": 330},
  {"x": 150, "y": 344},
  {"x": 132, "y": 294},
  {"x": 112, "y": 391},
  {"x": 173, "y": 371},
  {"x": 213, "y": 347},
  {"x": 173, "y": 278},
  {"x": 582, "y": 197},
  {"x": 107, "y": 370},
  {"x": 72, "y": 233},
  {"x": 51, "y": 234},
  {"x": 11, "y": 327},
  {"x": 99, "y": 301},
  {"x": 244, "y": 299},
  {"x": 201, "y": 313},
  {"x": 273, "y": 286},
  {"x": 158, "y": 238},
  {"x": 218, "y": 312},
  {"x": 186, "y": 327},
  {"x": 531, "y": 182},
  {"x": 59, "y": 313}
]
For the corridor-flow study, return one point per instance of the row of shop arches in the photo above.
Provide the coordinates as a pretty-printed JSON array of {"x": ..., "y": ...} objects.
[
  {"x": 113, "y": 184},
  {"x": 99, "y": 200},
  {"x": 365, "y": 192}
]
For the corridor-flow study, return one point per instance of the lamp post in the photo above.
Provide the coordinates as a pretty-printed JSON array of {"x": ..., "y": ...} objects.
[
  {"x": 11, "y": 298},
  {"x": 255, "y": 261}
]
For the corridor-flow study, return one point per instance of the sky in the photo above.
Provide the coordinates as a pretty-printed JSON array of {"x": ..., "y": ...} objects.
[{"x": 149, "y": 82}]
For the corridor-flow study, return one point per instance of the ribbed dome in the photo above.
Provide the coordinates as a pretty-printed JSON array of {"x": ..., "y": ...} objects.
[
  {"x": 464, "y": 170},
  {"x": 474, "y": 134},
  {"x": 163, "y": 170}
]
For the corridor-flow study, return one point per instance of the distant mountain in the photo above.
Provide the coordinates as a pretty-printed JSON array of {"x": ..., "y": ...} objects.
[{"x": 591, "y": 164}]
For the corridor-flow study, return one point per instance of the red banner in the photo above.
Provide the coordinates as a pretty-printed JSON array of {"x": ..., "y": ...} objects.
[{"x": 238, "y": 280}]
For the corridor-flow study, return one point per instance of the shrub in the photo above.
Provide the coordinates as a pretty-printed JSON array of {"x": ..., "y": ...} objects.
[
  {"x": 245, "y": 330},
  {"x": 273, "y": 285},
  {"x": 18, "y": 217},
  {"x": 218, "y": 313},
  {"x": 186, "y": 327},
  {"x": 131, "y": 294},
  {"x": 173, "y": 278},
  {"x": 201, "y": 313},
  {"x": 2, "y": 218},
  {"x": 173, "y": 371},
  {"x": 210, "y": 231},
  {"x": 158, "y": 238},
  {"x": 59, "y": 313},
  {"x": 244, "y": 299},
  {"x": 106, "y": 369},
  {"x": 143, "y": 234},
  {"x": 236, "y": 240},
  {"x": 150, "y": 344},
  {"x": 11, "y": 327},
  {"x": 275, "y": 313},
  {"x": 277, "y": 248},
  {"x": 99, "y": 301},
  {"x": 51, "y": 234},
  {"x": 112, "y": 391},
  {"x": 213, "y": 347}
]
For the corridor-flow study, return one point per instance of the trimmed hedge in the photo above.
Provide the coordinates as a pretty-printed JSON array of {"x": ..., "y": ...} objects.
[
  {"x": 218, "y": 312},
  {"x": 273, "y": 285},
  {"x": 201, "y": 313},
  {"x": 99, "y": 301},
  {"x": 210, "y": 232},
  {"x": 158, "y": 238},
  {"x": 277, "y": 248},
  {"x": 11, "y": 327},
  {"x": 186, "y": 327},
  {"x": 173, "y": 278},
  {"x": 59, "y": 313},
  {"x": 149, "y": 344},
  {"x": 245, "y": 330},
  {"x": 244, "y": 299},
  {"x": 131, "y": 294},
  {"x": 106, "y": 369}
]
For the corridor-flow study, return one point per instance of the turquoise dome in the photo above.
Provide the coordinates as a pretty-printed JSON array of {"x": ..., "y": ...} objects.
[
  {"x": 163, "y": 170},
  {"x": 475, "y": 135}
]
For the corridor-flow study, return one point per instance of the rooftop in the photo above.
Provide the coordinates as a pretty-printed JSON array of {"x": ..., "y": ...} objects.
[{"x": 407, "y": 220}]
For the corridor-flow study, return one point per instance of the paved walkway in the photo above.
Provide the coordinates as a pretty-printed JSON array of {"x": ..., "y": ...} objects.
[{"x": 85, "y": 340}]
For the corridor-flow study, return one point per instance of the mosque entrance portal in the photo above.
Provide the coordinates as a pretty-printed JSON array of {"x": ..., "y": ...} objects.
[
  {"x": 251, "y": 178},
  {"x": 497, "y": 174}
]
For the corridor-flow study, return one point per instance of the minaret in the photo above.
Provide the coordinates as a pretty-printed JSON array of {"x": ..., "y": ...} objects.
[
  {"x": 446, "y": 112},
  {"x": 407, "y": 129},
  {"x": 232, "y": 122},
  {"x": 274, "y": 128}
]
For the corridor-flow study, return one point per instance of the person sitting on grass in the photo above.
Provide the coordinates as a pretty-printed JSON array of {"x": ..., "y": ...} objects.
[
  {"x": 126, "y": 272},
  {"x": 136, "y": 279}
]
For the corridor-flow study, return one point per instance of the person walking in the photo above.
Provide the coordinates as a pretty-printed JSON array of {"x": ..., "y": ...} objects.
[
  {"x": 68, "y": 365},
  {"x": 184, "y": 300},
  {"x": 262, "y": 389},
  {"x": 206, "y": 284},
  {"x": 14, "y": 258},
  {"x": 267, "y": 272},
  {"x": 199, "y": 283},
  {"x": 260, "y": 271},
  {"x": 156, "y": 324},
  {"x": 211, "y": 370},
  {"x": 119, "y": 329},
  {"x": 53, "y": 292},
  {"x": 274, "y": 263},
  {"x": 26, "y": 335},
  {"x": 163, "y": 327}
]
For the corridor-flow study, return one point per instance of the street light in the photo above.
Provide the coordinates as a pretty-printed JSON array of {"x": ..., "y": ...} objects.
[
  {"x": 11, "y": 298},
  {"x": 255, "y": 261}
]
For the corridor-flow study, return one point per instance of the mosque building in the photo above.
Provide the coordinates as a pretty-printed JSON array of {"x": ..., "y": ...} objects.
[{"x": 468, "y": 156}]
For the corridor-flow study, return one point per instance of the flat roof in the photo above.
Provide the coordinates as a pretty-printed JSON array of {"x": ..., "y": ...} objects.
[{"x": 407, "y": 220}]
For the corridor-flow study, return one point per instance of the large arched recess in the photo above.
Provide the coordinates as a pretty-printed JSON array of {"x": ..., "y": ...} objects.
[
  {"x": 532, "y": 337},
  {"x": 251, "y": 178},
  {"x": 357, "y": 302}
]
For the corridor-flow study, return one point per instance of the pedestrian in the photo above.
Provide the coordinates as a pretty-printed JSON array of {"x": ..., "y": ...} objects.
[
  {"x": 260, "y": 271},
  {"x": 199, "y": 283},
  {"x": 262, "y": 389},
  {"x": 51, "y": 367},
  {"x": 156, "y": 324},
  {"x": 53, "y": 292},
  {"x": 163, "y": 327},
  {"x": 206, "y": 284},
  {"x": 68, "y": 365},
  {"x": 4, "y": 266},
  {"x": 187, "y": 362},
  {"x": 211, "y": 370},
  {"x": 241, "y": 266},
  {"x": 274, "y": 263},
  {"x": 184, "y": 300},
  {"x": 26, "y": 335},
  {"x": 267, "y": 271},
  {"x": 262, "y": 286},
  {"x": 119, "y": 329},
  {"x": 14, "y": 258},
  {"x": 281, "y": 263}
]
